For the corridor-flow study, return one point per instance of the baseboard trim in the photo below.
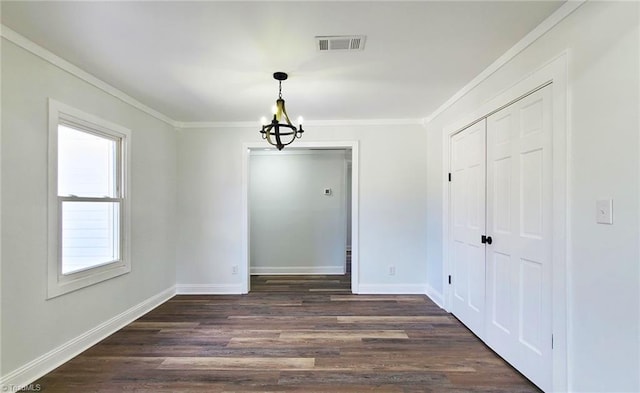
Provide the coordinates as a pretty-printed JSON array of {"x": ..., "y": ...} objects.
[
  {"x": 435, "y": 296},
  {"x": 40, "y": 366},
  {"x": 299, "y": 270},
  {"x": 392, "y": 289},
  {"x": 209, "y": 289}
]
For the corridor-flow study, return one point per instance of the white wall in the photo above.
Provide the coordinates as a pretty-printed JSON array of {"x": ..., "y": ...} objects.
[
  {"x": 294, "y": 227},
  {"x": 33, "y": 326},
  {"x": 391, "y": 205},
  {"x": 603, "y": 267}
]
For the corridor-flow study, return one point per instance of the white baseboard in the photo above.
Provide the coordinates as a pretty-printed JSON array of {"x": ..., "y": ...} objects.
[
  {"x": 392, "y": 289},
  {"x": 209, "y": 289},
  {"x": 38, "y": 367},
  {"x": 435, "y": 296},
  {"x": 298, "y": 270}
]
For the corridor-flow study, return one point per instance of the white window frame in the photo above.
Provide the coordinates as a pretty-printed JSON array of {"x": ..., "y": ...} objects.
[{"x": 58, "y": 283}]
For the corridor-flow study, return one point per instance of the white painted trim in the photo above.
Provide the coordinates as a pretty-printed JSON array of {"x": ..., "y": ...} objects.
[
  {"x": 309, "y": 123},
  {"x": 435, "y": 296},
  {"x": 64, "y": 65},
  {"x": 209, "y": 289},
  {"x": 561, "y": 312},
  {"x": 568, "y": 121},
  {"x": 556, "y": 72},
  {"x": 355, "y": 218},
  {"x": 346, "y": 164},
  {"x": 1, "y": 215},
  {"x": 42, "y": 365},
  {"x": 187, "y": 125},
  {"x": 393, "y": 289},
  {"x": 297, "y": 270},
  {"x": 57, "y": 283},
  {"x": 245, "y": 268},
  {"x": 558, "y": 16},
  {"x": 289, "y": 151}
]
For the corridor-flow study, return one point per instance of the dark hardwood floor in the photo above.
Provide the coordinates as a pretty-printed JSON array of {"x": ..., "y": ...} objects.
[{"x": 291, "y": 334}]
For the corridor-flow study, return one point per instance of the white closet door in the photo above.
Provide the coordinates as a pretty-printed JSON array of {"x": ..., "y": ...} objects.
[
  {"x": 519, "y": 212},
  {"x": 467, "y": 194}
]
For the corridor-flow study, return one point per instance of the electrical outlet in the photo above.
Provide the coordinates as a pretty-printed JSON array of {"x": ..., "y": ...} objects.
[
  {"x": 392, "y": 270},
  {"x": 234, "y": 269}
]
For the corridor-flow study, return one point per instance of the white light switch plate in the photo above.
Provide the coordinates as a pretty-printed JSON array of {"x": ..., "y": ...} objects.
[{"x": 604, "y": 211}]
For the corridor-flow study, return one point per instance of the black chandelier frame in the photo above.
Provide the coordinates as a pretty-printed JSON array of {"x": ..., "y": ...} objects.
[{"x": 285, "y": 132}]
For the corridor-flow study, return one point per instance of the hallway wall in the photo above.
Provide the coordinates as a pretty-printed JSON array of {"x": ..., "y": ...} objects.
[{"x": 294, "y": 227}]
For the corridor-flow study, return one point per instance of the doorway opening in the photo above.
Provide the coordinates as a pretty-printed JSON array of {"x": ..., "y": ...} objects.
[{"x": 300, "y": 215}]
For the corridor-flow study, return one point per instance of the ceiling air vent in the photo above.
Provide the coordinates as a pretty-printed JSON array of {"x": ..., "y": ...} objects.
[{"x": 340, "y": 43}]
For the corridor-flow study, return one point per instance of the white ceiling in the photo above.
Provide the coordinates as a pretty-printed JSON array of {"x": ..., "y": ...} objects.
[{"x": 212, "y": 61}]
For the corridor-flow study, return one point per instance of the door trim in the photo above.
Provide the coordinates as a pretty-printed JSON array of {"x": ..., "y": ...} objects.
[
  {"x": 554, "y": 72},
  {"x": 245, "y": 268}
]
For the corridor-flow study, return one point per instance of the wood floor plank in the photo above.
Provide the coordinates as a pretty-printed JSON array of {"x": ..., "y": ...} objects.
[
  {"x": 288, "y": 319},
  {"x": 259, "y": 344},
  {"x": 301, "y": 281},
  {"x": 376, "y": 298},
  {"x": 161, "y": 325},
  {"x": 208, "y": 331},
  {"x": 393, "y": 319},
  {"x": 234, "y": 363},
  {"x": 302, "y": 334},
  {"x": 342, "y": 334}
]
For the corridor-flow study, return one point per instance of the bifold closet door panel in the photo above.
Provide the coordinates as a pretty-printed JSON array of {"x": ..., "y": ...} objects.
[
  {"x": 468, "y": 163},
  {"x": 519, "y": 220}
]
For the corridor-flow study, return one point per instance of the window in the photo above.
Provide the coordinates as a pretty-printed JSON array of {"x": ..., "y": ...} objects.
[{"x": 88, "y": 201}]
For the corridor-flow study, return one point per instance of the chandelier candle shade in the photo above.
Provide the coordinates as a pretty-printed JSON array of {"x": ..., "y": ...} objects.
[{"x": 280, "y": 133}]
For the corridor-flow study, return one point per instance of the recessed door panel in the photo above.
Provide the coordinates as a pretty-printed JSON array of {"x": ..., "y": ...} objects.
[
  {"x": 531, "y": 312},
  {"x": 460, "y": 261},
  {"x": 501, "y": 305},
  {"x": 531, "y": 193},
  {"x": 502, "y": 195},
  {"x": 531, "y": 117}
]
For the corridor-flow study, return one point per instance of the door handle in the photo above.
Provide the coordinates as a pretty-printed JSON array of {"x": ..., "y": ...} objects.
[{"x": 486, "y": 239}]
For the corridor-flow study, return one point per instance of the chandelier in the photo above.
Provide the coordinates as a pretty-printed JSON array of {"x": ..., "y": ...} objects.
[{"x": 280, "y": 133}]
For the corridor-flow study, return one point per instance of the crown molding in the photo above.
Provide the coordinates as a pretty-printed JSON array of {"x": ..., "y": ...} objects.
[
  {"x": 76, "y": 71},
  {"x": 185, "y": 125},
  {"x": 64, "y": 65},
  {"x": 311, "y": 123},
  {"x": 558, "y": 16},
  {"x": 555, "y": 18}
]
